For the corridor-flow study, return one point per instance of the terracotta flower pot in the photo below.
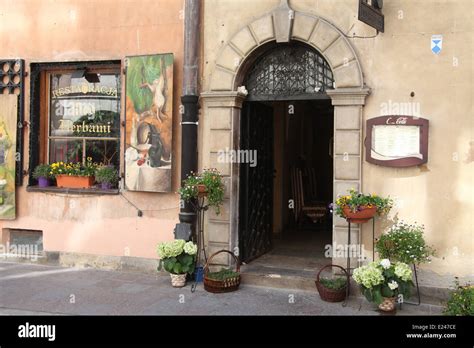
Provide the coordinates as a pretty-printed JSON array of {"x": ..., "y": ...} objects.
[
  {"x": 388, "y": 304},
  {"x": 178, "y": 280},
  {"x": 361, "y": 216},
  {"x": 202, "y": 190},
  {"x": 71, "y": 181}
]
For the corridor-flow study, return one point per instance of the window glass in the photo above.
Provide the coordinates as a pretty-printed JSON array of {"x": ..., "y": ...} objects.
[{"x": 84, "y": 117}]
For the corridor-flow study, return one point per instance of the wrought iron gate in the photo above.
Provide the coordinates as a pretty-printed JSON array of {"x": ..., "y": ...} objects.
[{"x": 256, "y": 181}]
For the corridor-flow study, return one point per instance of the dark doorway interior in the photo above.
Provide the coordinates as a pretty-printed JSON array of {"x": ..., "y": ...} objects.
[{"x": 284, "y": 198}]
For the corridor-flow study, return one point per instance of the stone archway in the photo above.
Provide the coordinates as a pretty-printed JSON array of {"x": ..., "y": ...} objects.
[{"x": 223, "y": 98}]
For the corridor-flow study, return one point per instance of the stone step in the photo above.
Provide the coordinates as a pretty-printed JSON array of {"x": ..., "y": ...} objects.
[{"x": 286, "y": 278}]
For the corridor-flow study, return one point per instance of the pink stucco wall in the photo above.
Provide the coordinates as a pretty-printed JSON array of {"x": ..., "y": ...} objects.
[{"x": 76, "y": 30}]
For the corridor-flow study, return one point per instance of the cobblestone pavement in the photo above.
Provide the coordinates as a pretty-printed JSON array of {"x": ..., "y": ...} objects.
[{"x": 27, "y": 289}]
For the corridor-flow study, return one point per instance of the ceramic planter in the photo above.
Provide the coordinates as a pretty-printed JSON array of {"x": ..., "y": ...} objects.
[
  {"x": 178, "y": 280},
  {"x": 388, "y": 304},
  {"x": 43, "y": 181},
  {"x": 105, "y": 185},
  {"x": 71, "y": 181},
  {"x": 361, "y": 216}
]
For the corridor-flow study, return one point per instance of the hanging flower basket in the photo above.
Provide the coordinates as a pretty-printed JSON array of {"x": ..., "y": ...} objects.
[
  {"x": 73, "y": 181},
  {"x": 361, "y": 216}
]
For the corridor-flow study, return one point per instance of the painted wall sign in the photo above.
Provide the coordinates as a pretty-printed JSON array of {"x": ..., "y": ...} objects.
[
  {"x": 436, "y": 43},
  {"x": 8, "y": 127},
  {"x": 397, "y": 141},
  {"x": 149, "y": 120},
  {"x": 371, "y": 14}
]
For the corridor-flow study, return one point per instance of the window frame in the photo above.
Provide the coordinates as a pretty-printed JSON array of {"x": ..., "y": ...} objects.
[{"x": 39, "y": 115}]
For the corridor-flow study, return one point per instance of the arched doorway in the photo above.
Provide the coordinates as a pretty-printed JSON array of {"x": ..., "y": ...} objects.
[
  {"x": 286, "y": 136},
  {"x": 224, "y": 95}
]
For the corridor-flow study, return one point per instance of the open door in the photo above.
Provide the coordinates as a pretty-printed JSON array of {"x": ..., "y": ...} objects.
[{"x": 256, "y": 180}]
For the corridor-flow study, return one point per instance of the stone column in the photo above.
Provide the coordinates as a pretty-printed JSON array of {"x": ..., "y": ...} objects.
[
  {"x": 220, "y": 127},
  {"x": 348, "y": 127}
]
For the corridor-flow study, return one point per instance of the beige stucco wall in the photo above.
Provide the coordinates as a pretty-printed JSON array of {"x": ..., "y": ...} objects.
[
  {"x": 394, "y": 64},
  {"x": 77, "y": 30}
]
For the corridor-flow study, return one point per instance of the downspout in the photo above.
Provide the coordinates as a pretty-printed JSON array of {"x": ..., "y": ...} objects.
[{"x": 189, "y": 101}]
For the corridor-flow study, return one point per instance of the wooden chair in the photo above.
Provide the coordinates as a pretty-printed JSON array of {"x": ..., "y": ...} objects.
[{"x": 315, "y": 211}]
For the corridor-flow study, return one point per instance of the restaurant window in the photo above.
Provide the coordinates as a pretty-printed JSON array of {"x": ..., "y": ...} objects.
[{"x": 83, "y": 108}]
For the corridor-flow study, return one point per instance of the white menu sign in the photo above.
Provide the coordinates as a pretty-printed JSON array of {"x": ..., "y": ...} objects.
[{"x": 395, "y": 141}]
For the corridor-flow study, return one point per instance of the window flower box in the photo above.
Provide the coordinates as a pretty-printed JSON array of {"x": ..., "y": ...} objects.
[{"x": 74, "y": 181}]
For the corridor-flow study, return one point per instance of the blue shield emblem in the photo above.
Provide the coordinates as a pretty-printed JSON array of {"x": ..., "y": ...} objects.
[{"x": 436, "y": 43}]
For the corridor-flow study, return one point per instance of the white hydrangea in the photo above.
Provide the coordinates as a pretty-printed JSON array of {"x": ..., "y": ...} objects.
[
  {"x": 393, "y": 285},
  {"x": 385, "y": 263},
  {"x": 190, "y": 248}
]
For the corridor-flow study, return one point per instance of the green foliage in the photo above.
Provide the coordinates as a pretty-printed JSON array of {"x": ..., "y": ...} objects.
[
  {"x": 177, "y": 257},
  {"x": 338, "y": 283},
  {"x": 384, "y": 279},
  {"x": 356, "y": 200},
  {"x": 461, "y": 301},
  {"x": 106, "y": 174},
  {"x": 404, "y": 243},
  {"x": 144, "y": 69},
  {"x": 76, "y": 169},
  {"x": 223, "y": 274},
  {"x": 180, "y": 264},
  {"x": 42, "y": 170},
  {"x": 212, "y": 179}
]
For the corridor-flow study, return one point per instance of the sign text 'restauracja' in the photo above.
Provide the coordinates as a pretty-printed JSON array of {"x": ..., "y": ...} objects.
[{"x": 84, "y": 88}]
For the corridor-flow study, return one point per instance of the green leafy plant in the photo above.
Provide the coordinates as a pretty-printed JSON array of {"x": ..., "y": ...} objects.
[
  {"x": 461, "y": 301},
  {"x": 223, "y": 274},
  {"x": 356, "y": 200},
  {"x": 212, "y": 180},
  {"x": 384, "y": 279},
  {"x": 106, "y": 174},
  {"x": 42, "y": 170},
  {"x": 338, "y": 283},
  {"x": 404, "y": 243},
  {"x": 76, "y": 169},
  {"x": 177, "y": 257}
]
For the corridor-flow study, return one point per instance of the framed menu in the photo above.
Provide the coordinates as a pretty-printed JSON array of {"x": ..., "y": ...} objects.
[{"x": 397, "y": 141}]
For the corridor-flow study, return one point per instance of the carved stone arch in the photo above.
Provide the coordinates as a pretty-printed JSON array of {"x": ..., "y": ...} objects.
[{"x": 234, "y": 57}]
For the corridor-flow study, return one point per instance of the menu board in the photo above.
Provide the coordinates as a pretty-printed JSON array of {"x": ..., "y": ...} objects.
[{"x": 397, "y": 141}]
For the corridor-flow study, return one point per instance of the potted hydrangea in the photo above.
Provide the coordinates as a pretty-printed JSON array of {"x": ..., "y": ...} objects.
[
  {"x": 359, "y": 207},
  {"x": 178, "y": 258},
  {"x": 383, "y": 282}
]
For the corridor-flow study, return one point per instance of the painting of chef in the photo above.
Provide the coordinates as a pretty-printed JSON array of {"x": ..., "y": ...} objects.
[{"x": 149, "y": 119}]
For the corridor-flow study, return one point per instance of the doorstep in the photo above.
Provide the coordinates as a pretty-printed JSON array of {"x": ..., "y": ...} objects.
[{"x": 288, "y": 278}]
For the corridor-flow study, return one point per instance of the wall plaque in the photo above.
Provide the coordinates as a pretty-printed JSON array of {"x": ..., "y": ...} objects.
[{"x": 397, "y": 141}]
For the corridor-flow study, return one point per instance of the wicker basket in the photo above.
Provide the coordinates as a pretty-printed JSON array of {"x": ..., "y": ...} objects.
[
  {"x": 331, "y": 295},
  {"x": 218, "y": 286}
]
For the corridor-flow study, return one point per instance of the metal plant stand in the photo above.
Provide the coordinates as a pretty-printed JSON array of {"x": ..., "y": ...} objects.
[
  {"x": 373, "y": 259},
  {"x": 200, "y": 207},
  {"x": 348, "y": 269}
]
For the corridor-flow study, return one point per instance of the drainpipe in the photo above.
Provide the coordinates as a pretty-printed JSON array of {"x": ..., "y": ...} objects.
[{"x": 189, "y": 100}]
